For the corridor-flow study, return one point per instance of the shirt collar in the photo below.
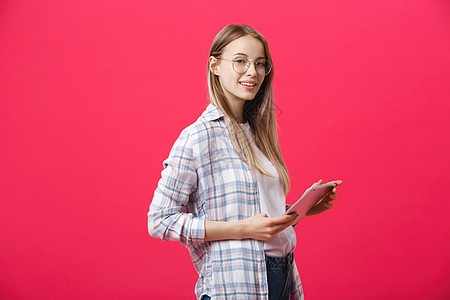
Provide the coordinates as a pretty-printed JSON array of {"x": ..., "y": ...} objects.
[{"x": 212, "y": 113}]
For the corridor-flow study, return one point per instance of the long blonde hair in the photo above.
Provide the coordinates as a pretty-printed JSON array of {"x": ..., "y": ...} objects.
[{"x": 259, "y": 112}]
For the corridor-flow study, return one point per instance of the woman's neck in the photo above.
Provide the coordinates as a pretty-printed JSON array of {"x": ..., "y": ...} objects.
[{"x": 237, "y": 109}]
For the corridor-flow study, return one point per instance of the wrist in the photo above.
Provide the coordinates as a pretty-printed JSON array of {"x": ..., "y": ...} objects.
[{"x": 240, "y": 229}]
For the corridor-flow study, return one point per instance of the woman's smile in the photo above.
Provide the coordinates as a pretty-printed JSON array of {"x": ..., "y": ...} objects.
[{"x": 248, "y": 85}]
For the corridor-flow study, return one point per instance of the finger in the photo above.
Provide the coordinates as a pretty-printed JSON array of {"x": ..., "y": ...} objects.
[
  {"x": 337, "y": 182},
  {"x": 328, "y": 198},
  {"x": 284, "y": 218},
  {"x": 280, "y": 227},
  {"x": 318, "y": 182},
  {"x": 325, "y": 198},
  {"x": 287, "y": 222},
  {"x": 294, "y": 217}
]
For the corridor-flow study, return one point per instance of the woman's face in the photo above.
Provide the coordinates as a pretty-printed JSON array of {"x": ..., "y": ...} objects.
[{"x": 239, "y": 87}]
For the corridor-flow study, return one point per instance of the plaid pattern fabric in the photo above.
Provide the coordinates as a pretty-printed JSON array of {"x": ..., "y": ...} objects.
[{"x": 205, "y": 179}]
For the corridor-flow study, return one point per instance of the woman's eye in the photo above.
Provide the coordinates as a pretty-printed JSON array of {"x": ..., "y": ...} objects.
[
  {"x": 260, "y": 64},
  {"x": 241, "y": 61}
]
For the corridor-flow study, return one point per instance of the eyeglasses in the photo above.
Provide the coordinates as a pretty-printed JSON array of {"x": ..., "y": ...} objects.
[{"x": 241, "y": 65}]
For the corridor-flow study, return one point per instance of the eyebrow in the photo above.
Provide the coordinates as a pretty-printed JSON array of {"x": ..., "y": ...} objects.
[{"x": 247, "y": 55}]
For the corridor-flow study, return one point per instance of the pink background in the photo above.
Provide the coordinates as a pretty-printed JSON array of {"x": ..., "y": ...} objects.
[{"x": 94, "y": 93}]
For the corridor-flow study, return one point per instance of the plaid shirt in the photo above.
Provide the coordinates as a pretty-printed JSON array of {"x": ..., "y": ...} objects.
[{"x": 205, "y": 179}]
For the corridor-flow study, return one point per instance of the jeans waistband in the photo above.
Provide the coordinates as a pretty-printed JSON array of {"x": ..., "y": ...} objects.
[{"x": 280, "y": 262}]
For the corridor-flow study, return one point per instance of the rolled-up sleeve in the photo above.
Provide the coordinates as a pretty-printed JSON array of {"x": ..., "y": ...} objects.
[{"x": 167, "y": 216}]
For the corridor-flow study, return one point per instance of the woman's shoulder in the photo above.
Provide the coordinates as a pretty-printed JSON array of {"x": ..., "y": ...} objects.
[
  {"x": 209, "y": 125},
  {"x": 207, "y": 138}
]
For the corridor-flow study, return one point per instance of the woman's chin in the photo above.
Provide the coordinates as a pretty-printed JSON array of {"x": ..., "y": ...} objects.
[{"x": 249, "y": 96}]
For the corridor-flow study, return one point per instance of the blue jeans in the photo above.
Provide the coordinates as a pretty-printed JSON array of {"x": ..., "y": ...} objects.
[{"x": 278, "y": 277}]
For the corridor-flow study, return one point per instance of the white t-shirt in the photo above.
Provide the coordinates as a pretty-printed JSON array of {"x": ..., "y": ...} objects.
[{"x": 273, "y": 202}]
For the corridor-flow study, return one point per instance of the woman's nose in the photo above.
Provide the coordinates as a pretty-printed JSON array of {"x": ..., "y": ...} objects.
[{"x": 251, "y": 69}]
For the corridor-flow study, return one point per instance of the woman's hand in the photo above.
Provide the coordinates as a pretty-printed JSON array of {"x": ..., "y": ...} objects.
[
  {"x": 298, "y": 220},
  {"x": 324, "y": 203},
  {"x": 263, "y": 228}
]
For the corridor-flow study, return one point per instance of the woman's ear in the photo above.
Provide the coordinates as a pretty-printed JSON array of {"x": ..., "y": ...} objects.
[{"x": 213, "y": 65}]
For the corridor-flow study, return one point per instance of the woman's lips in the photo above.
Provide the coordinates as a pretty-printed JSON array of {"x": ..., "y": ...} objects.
[{"x": 248, "y": 85}]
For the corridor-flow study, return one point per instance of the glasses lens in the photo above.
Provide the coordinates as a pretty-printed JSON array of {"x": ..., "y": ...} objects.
[
  {"x": 268, "y": 67},
  {"x": 240, "y": 65},
  {"x": 263, "y": 66}
]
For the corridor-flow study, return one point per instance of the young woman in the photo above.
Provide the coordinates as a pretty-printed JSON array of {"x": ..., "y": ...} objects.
[{"x": 223, "y": 187}]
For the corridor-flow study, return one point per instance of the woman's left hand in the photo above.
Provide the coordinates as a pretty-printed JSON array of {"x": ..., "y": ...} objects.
[{"x": 324, "y": 203}]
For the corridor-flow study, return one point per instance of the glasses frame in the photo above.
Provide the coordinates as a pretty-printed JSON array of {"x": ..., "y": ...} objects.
[{"x": 247, "y": 66}]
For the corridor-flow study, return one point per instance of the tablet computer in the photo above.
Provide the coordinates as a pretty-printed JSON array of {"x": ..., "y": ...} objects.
[{"x": 310, "y": 198}]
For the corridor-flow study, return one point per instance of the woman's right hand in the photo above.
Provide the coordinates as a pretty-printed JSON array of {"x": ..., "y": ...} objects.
[{"x": 263, "y": 228}]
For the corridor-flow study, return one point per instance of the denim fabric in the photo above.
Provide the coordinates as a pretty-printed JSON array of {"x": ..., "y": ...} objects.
[{"x": 279, "y": 276}]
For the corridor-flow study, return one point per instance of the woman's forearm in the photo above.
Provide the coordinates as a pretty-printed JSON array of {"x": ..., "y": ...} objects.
[
  {"x": 215, "y": 230},
  {"x": 259, "y": 227}
]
